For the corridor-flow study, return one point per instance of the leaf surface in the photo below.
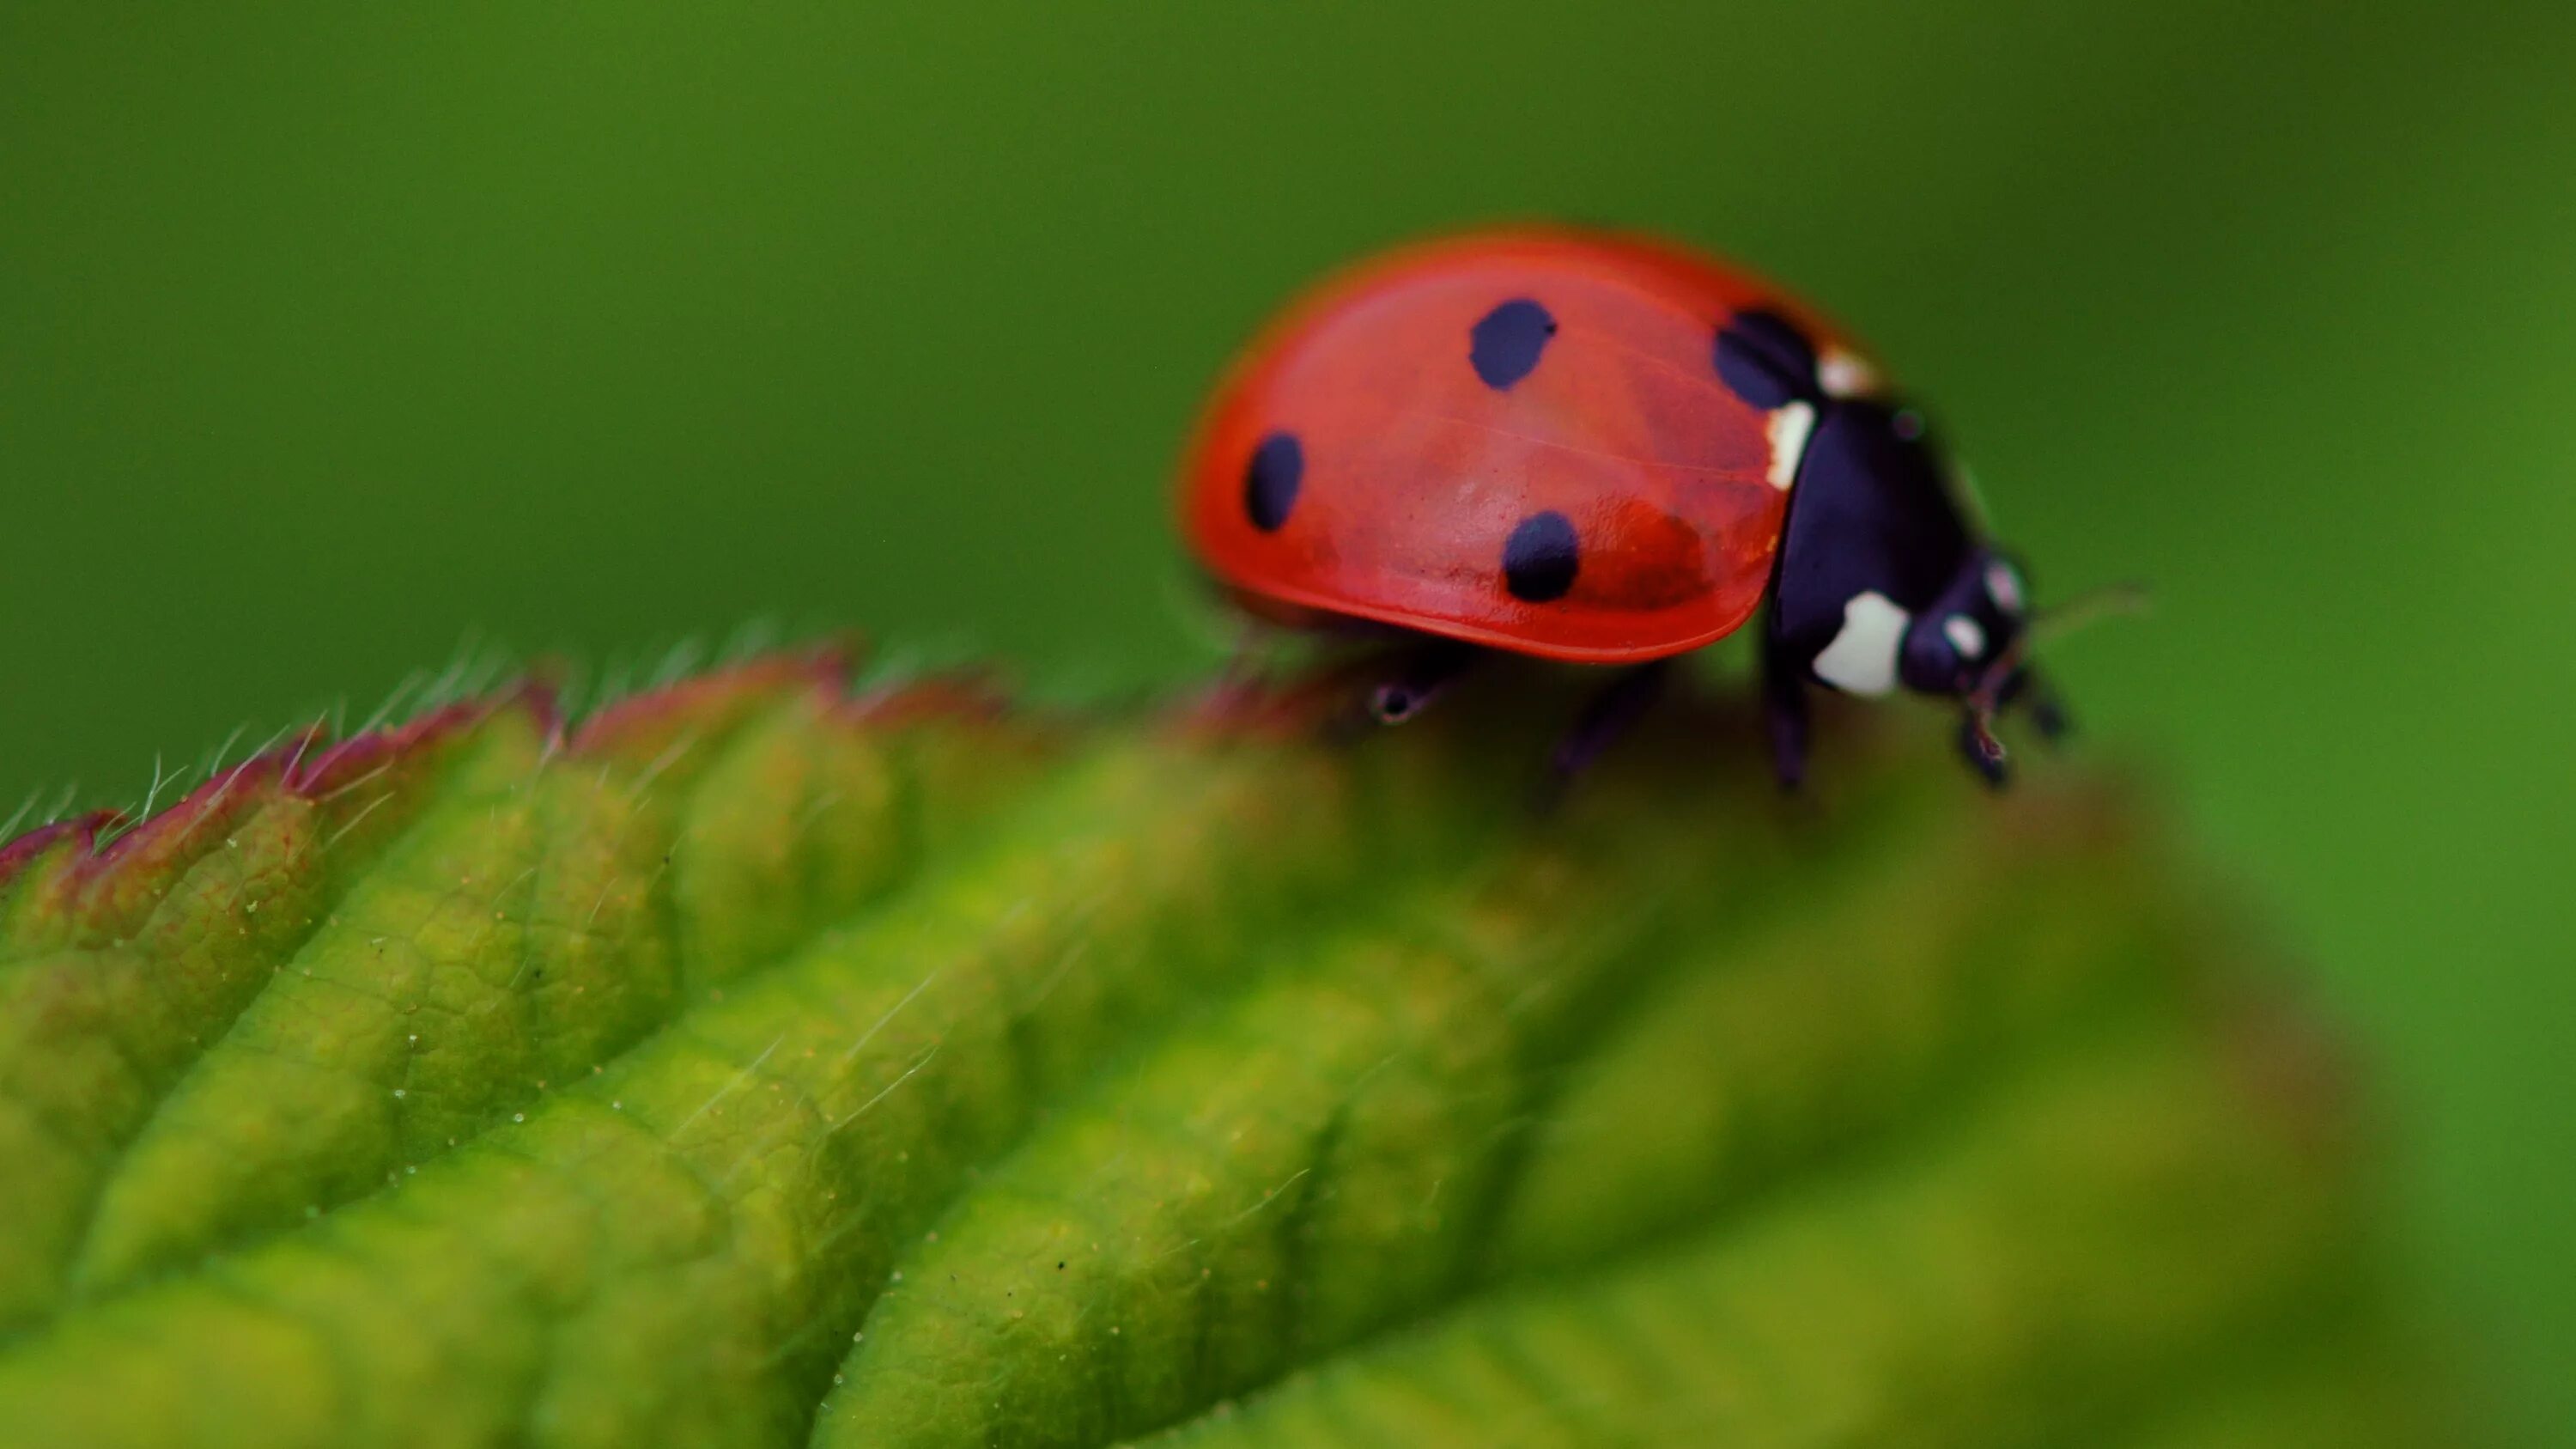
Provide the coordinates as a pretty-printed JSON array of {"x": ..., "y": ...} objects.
[{"x": 760, "y": 1064}]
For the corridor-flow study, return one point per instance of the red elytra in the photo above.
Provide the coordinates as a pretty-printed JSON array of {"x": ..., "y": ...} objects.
[{"x": 1413, "y": 456}]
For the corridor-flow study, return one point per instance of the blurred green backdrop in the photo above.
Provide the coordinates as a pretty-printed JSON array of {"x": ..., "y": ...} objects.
[{"x": 330, "y": 334}]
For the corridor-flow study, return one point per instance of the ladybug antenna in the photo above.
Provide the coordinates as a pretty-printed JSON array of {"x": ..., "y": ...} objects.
[{"x": 2111, "y": 599}]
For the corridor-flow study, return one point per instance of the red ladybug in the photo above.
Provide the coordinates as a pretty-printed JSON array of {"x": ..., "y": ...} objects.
[{"x": 1604, "y": 450}]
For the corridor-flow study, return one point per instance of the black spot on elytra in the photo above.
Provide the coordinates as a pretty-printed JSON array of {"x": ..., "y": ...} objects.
[
  {"x": 1765, "y": 360},
  {"x": 1540, "y": 558},
  {"x": 1270, "y": 481},
  {"x": 1504, "y": 347}
]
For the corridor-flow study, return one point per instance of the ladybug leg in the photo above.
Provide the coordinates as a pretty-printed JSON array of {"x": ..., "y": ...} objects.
[
  {"x": 1977, "y": 746},
  {"x": 2048, "y": 716},
  {"x": 1609, "y": 714},
  {"x": 2047, "y": 711},
  {"x": 1784, "y": 713},
  {"x": 2030, "y": 693},
  {"x": 1420, "y": 675}
]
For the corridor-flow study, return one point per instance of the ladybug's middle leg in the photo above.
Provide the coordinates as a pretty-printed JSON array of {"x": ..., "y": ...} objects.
[{"x": 1610, "y": 713}]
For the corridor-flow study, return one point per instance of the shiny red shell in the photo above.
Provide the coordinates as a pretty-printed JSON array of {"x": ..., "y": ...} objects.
[{"x": 1416, "y": 470}]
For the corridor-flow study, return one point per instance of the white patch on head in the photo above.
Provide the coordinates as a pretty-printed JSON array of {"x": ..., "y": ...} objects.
[
  {"x": 1791, "y": 422},
  {"x": 2004, "y": 587},
  {"x": 1845, "y": 374},
  {"x": 1862, "y": 658},
  {"x": 1965, "y": 635}
]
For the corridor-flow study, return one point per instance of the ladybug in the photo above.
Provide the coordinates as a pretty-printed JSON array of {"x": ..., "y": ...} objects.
[{"x": 1604, "y": 450}]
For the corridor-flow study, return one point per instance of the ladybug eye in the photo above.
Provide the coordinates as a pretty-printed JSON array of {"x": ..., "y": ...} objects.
[
  {"x": 2003, "y": 585},
  {"x": 1965, "y": 635},
  {"x": 1909, "y": 425}
]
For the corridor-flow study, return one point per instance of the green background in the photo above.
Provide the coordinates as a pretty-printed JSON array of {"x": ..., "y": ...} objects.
[{"x": 331, "y": 335}]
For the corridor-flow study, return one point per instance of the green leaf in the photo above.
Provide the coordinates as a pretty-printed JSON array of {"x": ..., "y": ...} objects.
[{"x": 758, "y": 1064}]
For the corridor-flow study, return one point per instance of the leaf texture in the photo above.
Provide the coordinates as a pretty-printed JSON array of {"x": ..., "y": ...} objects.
[{"x": 760, "y": 1063}]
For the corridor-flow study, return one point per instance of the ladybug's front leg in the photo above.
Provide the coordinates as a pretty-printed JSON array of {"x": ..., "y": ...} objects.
[
  {"x": 1984, "y": 755},
  {"x": 2047, "y": 712},
  {"x": 1784, "y": 709}
]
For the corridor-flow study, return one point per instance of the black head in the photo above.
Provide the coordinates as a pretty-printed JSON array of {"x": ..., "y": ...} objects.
[
  {"x": 1971, "y": 629},
  {"x": 1886, "y": 579},
  {"x": 1969, "y": 646}
]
